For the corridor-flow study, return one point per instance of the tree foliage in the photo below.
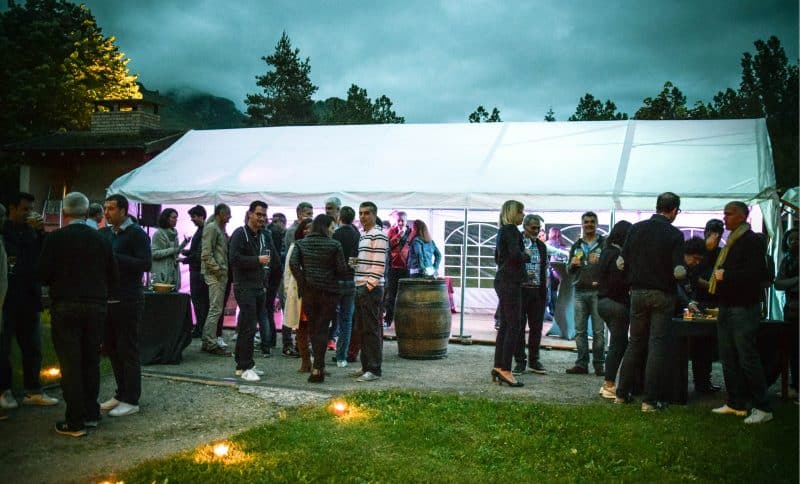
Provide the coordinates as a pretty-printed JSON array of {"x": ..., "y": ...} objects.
[
  {"x": 54, "y": 62},
  {"x": 550, "y": 116},
  {"x": 591, "y": 109},
  {"x": 480, "y": 115},
  {"x": 670, "y": 103},
  {"x": 287, "y": 90},
  {"x": 358, "y": 108}
]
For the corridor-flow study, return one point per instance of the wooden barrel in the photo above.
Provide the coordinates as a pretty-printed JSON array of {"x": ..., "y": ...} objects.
[{"x": 422, "y": 318}]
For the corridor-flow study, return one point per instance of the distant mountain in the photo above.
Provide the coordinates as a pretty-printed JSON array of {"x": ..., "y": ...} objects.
[{"x": 186, "y": 109}]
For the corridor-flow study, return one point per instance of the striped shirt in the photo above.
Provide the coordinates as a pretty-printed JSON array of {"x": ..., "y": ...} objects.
[{"x": 372, "y": 249}]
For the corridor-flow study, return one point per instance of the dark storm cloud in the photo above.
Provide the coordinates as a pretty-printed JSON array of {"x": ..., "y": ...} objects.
[{"x": 438, "y": 60}]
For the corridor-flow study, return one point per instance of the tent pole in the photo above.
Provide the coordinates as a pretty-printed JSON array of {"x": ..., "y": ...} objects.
[{"x": 461, "y": 336}]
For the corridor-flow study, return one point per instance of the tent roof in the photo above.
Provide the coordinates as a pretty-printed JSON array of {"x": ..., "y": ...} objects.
[{"x": 558, "y": 165}]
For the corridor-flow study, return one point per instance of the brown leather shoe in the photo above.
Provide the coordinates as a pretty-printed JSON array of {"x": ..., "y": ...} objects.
[
  {"x": 217, "y": 351},
  {"x": 577, "y": 370}
]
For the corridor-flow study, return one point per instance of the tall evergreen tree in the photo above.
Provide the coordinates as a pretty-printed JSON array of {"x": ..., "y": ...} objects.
[
  {"x": 550, "y": 116},
  {"x": 287, "y": 90},
  {"x": 54, "y": 62},
  {"x": 591, "y": 109},
  {"x": 480, "y": 115}
]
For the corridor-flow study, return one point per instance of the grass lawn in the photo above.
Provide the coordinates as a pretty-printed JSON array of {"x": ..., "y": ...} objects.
[{"x": 396, "y": 436}]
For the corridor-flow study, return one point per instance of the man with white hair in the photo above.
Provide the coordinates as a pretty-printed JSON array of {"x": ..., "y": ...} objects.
[
  {"x": 78, "y": 265},
  {"x": 333, "y": 206}
]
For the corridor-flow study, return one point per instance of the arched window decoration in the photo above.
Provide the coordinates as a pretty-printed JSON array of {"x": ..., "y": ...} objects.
[{"x": 480, "y": 266}]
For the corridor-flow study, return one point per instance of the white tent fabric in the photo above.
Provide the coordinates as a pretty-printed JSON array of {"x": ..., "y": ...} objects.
[{"x": 559, "y": 165}]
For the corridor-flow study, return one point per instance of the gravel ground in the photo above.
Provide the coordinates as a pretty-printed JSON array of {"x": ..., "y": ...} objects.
[{"x": 200, "y": 400}]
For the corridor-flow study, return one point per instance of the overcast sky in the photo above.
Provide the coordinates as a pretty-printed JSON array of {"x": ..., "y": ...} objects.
[{"x": 438, "y": 60}]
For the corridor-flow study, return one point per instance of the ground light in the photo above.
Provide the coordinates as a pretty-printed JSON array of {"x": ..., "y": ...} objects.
[
  {"x": 221, "y": 449},
  {"x": 339, "y": 407},
  {"x": 222, "y": 452}
]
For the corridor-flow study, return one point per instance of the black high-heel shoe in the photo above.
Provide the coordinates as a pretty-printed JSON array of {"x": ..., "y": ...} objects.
[{"x": 502, "y": 379}]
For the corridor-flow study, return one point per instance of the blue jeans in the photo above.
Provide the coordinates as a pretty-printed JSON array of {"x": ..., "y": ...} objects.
[
  {"x": 737, "y": 331},
  {"x": 650, "y": 335},
  {"x": 585, "y": 306},
  {"x": 344, "y": 317}
]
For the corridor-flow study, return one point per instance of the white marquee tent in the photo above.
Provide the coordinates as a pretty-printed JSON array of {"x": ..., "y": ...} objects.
[
  {"x": 569, "y": 165},
  {"x": 610, "y": 165}
]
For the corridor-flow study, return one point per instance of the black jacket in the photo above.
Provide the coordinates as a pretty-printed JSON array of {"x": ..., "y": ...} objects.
[
  {"x": 24, "y": 243},
  {"x": 613, "y": 284},
  {"x": 317, "y": 264},
  {"x": 131, "y": 249},
  {"x": 78, "y": 265},
  {"x": 745, "y": 272},
  {"x": 195, "y": 250},
  {"x": 587, "y": 275},
  {"x": 651, "y": 252},
  {"x": 348, "y": 236},
  {"x": 243, "y": 252},
  {"x": 510, "y": 256}
]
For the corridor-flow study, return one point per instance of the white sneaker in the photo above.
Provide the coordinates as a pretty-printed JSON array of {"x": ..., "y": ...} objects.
[
  {"x": 609, "y": 393},
  {"x": 758, "y": 416},
  {"x": 250, "y": 375},
  {"x": 726, "y": 410},
  {"x": 368, "y": 376},
  {"x": 39, "y": 400},
  {"x": 341, "y": 364},
  {"x": 253, "y": 369},
  {"x": 221, "y": 342},
  {"x": 109, "y": 404},
  {"x": 123, "y": 409},
  {"x": 8, "y": 401}
]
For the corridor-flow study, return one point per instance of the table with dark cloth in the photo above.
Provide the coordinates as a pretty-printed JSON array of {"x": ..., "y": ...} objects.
[
  {"x": 773, "y": 340},
  {"x": 166, "y": 328}
]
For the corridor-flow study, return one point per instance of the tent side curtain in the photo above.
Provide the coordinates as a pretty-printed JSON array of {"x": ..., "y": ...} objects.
[{"x": 559, "y": 165}]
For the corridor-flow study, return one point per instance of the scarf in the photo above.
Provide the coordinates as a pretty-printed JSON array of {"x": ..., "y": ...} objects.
[{"x": 740, "y": 230}]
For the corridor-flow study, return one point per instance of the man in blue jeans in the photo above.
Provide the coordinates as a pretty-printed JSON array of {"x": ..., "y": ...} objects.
[
  {"x": 348, "y": 236},
  {"x": 739, "y": 272},
  {"x": 652, "y": 257},
  {"x": 584, "y": 268}
]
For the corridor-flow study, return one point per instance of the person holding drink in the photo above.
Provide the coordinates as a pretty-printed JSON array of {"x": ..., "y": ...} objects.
[
  {"x": 250, "y": 259},
  {"x": 584, "y": 268}
]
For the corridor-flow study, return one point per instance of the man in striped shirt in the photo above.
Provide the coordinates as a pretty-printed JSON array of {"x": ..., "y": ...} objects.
[{"x": 372, "y": 248}]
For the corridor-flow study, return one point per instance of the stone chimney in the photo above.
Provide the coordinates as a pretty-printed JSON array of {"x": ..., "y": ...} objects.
[{"x": 127, "y": 116}]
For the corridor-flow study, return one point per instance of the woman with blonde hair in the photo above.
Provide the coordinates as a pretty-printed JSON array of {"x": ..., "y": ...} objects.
[
  {"x": 423, "y": 256},
  {"x": 510, "y": 256}
]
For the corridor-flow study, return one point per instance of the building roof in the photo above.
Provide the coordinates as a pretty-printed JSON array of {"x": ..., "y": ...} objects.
[{"x": 147, "y": 140}]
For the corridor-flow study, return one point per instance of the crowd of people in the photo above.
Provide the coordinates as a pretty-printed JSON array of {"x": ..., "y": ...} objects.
[
  {"x": 635, "y": 282},
  {"x": 328, "y": 276}
]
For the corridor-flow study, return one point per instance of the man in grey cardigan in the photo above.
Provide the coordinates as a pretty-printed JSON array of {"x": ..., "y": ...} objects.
[{"x": 214, "y": 266}]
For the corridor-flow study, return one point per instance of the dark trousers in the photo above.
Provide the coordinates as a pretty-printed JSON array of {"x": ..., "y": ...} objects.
[
  {"x": 533, "y": 305},
  {"x": 121, "y": 344},
  {"x": 510, "y": 310},
  {"x": 702, "y": 350},
  {"x": 650, "y": 340},
  {"x": 737, "y": 331},
  {"x": 251, "y": 304},
  {"x": 269, "y": 306},
  {"x": 369, "y": 328},
  {"x": 321, "y": 309},
  {"x": 22, "y": 323},
  {"x": 617, "y": 318},
  {"x": 392, "y": 283},
  {"x": 199, "y": 291},
  {"x": 221, "y": 322},
  {"x": 75, "y": 329}
]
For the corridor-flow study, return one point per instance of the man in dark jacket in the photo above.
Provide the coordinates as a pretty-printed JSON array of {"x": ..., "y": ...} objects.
[
  {"x": 584, "y": 257},
  {"x": 78, "y": 265},
  {"x": 252, "y": 256},
  {"x": 739, "y": 272},
  {"x": 197, "y": 284},
  {"x": 652, "y": 257},
  {"x": 23, "y": 236},
  {"x": 534, "y": 296},
  {"x": 131, "y": 247}
]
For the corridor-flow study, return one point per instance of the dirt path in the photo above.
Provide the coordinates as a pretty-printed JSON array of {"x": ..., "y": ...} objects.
[{"x": 179, "y": 415}]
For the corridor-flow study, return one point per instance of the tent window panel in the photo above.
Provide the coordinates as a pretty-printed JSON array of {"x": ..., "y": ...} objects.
[
  {"x": 473, "y": 283},
  {"x": 451, "y": 271},
  {"x": 452, "y": 250},
  {"x": 472, "y": 271},
  {"x": 487, "y": 283},
  {"x": 473, "y": 250},
  {"x": 488, "y": 272},
  {"x": 487, "y": 252}
]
